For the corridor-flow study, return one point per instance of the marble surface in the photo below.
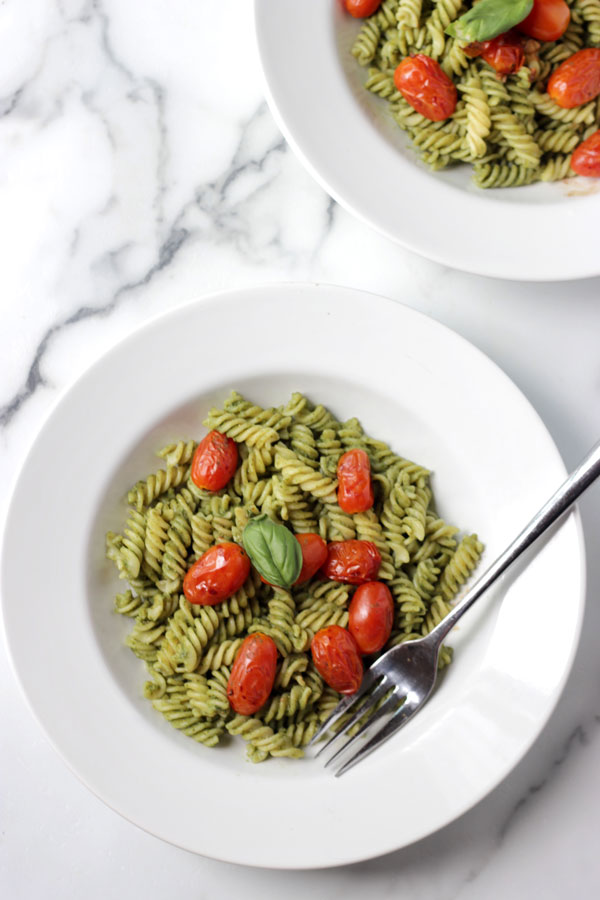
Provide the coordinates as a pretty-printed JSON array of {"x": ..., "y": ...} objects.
[{"x": 140, "y": 167}]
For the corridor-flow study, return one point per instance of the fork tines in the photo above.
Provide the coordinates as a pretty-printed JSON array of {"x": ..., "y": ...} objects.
[{"x": 369, "y": 708}]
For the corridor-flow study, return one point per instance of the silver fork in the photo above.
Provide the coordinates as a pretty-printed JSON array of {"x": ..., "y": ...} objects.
[{"x": 399, "y": 683}]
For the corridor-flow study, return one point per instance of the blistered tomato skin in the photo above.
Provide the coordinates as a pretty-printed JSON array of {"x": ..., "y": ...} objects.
[
  {"x": 360, "y": 9},
  {"x": 424, "y": 84},
  {"x": 252, "y": 674},
  {"x": 314, "y": 554},
  {"x": 505, "y": 53},
  {"x": 352, "y": 562},
  {"x": 214, "y": 462},
  {"x": 355, "y": 491},
  {"x": 577, "y": 80},
  {"x": 547, "y": 21},
  {"x": 337, "y": 659},
  {"x": 586, "y": 158},
  {"x": 371, "y": 616},
  {"x": 218, "y": 574}
]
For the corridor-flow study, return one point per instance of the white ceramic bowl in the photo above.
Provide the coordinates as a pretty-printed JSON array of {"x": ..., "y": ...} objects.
[
  {"x": 413, "y": 383},
  {"x": 348, "y": 141}
]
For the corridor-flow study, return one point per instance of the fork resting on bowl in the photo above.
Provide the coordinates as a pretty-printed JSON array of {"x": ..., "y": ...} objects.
[{"x": 399, "y": 683}]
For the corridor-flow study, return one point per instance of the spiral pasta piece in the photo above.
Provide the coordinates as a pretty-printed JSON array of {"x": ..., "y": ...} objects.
[
  {"x": 559, "y": 140},
  {"x": 178, "y": 454},
  {"x": 330, "y": 449},
  {"x": 273, "y": 417},
  {"x": 294, "y": 471},
  {"x": 131, "y": 551},
  {"x": 495, "y": 175},
  {"x": 590, "y": 15},
  {"x": 291, "y": 668},
  {"x": 302, "y": 730},
  {"x": 438, "y": 610},
  {"x": 304, "y": 445},
  {"x": 284, "y": 705},
  {"x": 185, "y": 638},
  {"x": 393, "y": 514},
  {"x": 318, "y": 418},
  {"x": 221, "y": 654},
  {"x": 128, "y": 603},
  {"x": 556, "y": 167},
  {"x": 454, "y": 60},
  {"x": 294, "y": 507},
  {"x": 145, "y": 637},
  {"x": 174, "y": 562},
  {"x": 255, "y": 463},
  {"x": 410, "y": 608},
  {"x": 408, "y": 13},
  {"x": 380, "y": 83},
  {"x": 255, "y": 495},
  {"x": 217, "y": 691},
  {"x": 281, "y": 625},
  {"x": 545, "y": 105},
  {"x": 415, "y": 515},
  {"x": 145, "y": 492},
  {"x": 320, "y": 614},
  {"x": 237, "y": 623},
  {"x": 162, "y": 607},
  {"x": 444, "y": 12},
  {"x": 178, "y": 712},
  {"x": 263, "y": 739},
  {"x": 425, "y": 578},
  {"x": 461, "y": 565},
  {"x": 337, "y": 525},
  {"x": 155, "y": 538},
  {"x": 202, "y": 534},
  {"x": 198, "y": 695},
  {"x": 527, "y": 152},
  {"x": 365, "y": 45},
  {"x": 240, "y": 429},
  {"x": 478, "y": 116}
]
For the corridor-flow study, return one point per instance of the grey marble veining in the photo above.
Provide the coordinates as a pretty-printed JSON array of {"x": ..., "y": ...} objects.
[{"x": 140, "y": 167}]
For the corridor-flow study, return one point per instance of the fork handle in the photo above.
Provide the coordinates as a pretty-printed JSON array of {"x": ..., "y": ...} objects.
[{"x": 579, "y": 480}]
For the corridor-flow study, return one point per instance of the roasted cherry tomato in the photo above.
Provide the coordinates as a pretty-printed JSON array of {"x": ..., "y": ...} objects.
[
  {"x": 371, "y": 616},
  {"x": 337, "y": 659},
  {"x": 314, "y": 554},
  {"x": 504, "y": 53},
  {"x": 353, "y": 562},
  {"x": 214, "y": 461},
  {"x": 577, "y": 80},
  {"x": 360, "y": 9},
  {"x": 586, "y": 158},
  {"x": 547, "y": 21},
  {"x": 218, "y": 574},
  {"x": 424, "y": 84},
  {"x": 252, "y": 674},
  {"x": 355, "y": 491}
]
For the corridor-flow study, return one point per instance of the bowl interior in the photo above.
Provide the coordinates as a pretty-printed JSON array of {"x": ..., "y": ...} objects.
[{"x": 458, "y": 498}]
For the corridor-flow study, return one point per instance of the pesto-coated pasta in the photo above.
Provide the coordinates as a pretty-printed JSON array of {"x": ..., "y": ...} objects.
[
  {"x": 287, "y": 470},
  {"x": 504, "y": 125}
]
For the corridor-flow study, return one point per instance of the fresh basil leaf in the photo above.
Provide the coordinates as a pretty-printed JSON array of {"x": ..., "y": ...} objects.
[
  {"x": 273, "y": 550},
  {"x": 489, "y": 18}
]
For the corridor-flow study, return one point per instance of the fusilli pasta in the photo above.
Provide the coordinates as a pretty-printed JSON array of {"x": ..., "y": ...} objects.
[
  {"x": 505, "y": 125},
  {"x": 287, "y": 469}
]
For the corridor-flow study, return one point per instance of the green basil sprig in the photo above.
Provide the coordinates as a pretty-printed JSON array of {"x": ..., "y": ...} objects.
[
  {"x": 273, "y": 551},
  {"x": 489, "y": 18}
]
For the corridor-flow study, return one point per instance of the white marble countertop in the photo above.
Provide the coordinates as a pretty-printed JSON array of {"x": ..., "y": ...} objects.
[{"x": 140, "y": 167}]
